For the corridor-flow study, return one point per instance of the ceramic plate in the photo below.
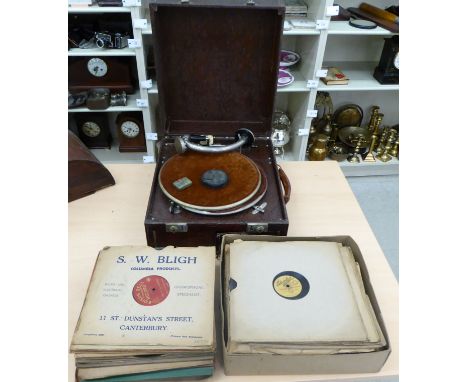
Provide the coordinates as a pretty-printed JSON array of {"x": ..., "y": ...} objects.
[
  {"x": 284, "y": 78},
  {"x": 288, "y": 58}
]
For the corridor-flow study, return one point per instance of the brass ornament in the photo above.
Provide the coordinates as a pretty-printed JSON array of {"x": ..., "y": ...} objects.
[
  {"x": 357, "y": 137},
  {"x": 377, "y": 120},
  {"x": 318, "y": 149},
  {"x": 375, "y": 111},
  {"x": 348, "y": 115},
  {"x": 384, "y": 155}
]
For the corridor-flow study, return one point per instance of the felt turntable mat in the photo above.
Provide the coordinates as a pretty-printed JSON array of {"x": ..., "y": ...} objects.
[{"x": 244, "y": 178}]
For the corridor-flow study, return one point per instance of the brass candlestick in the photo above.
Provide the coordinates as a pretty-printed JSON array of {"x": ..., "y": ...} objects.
[
  {"x": 355, "y": 137},
  {"x": 375, "y": 135},
  {"x": 382, "y": 140},
  {"x": 373, "y": 118},
  {"x": 385, "y": 156},
  {"x": 395, "y": 148},
  {"x": 359, "y": 141}
]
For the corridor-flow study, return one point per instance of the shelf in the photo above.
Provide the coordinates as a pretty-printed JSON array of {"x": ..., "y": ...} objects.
[
  {"x": 131, "y": 106},
  {"x": 360, "y": 76},
  {"x": 97, "y": 9},
  {"x": 370, "y": 168},
  {"x": 77, "y": 52},
  {"x": 113, "y": 155},
  {"x": 343, "y": 28},
  {"x": 299, "y": 84}
]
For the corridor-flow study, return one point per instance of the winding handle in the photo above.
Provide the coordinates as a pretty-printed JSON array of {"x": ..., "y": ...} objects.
[{"x": 286, "y": 184}]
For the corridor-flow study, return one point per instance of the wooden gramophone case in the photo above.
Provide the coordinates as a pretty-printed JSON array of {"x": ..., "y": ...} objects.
[{"x": 216, "y": 67}]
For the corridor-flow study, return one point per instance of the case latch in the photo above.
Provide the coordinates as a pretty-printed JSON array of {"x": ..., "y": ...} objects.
[
  {"x": 176, "y": 227},
  {"x": 257, "y": 227}
]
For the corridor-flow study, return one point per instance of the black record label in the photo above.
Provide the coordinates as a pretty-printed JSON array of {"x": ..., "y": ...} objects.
[{"x": 291, "y": 285}]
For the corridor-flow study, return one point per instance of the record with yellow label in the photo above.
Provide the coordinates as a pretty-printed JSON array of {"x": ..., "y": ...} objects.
[{"x": 291, "y": 285}]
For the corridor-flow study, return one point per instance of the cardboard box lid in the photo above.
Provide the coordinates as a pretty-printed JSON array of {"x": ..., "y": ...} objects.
[{"x": 216, "y": 64}]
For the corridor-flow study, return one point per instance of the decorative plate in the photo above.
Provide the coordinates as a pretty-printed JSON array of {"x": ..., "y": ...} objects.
[
  {"x": 284, "y": 78},
  {"x": 348, "y": 115},
  {"x": 288, "y": 58}
]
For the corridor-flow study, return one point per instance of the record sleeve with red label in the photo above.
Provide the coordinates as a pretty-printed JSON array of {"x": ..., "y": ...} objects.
[{"x": 151, "y": 299}]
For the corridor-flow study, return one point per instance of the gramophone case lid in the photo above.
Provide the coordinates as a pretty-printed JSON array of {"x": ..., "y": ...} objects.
[{"x": 216, "y": 64}]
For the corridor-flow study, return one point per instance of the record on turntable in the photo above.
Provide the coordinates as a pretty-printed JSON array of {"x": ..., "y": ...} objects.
[{"x": 211, "y": 180}]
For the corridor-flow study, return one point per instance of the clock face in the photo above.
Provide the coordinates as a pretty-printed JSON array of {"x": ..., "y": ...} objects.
[
  {"x": 91, "y": 129},
  {"x": 396, "y": 61},
  {"x": 97, "y": 67},
  {"x": 130, "y": 129}
]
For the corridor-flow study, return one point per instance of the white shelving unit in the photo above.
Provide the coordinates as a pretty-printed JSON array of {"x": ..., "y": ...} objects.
[
  {"x": 77, "y": 52},
  {"x": 113, "y": 155},
  {"x": 355, "y": 51},
  {"x": 360, "y": 77},
  {"x": 131, "y": 106}
]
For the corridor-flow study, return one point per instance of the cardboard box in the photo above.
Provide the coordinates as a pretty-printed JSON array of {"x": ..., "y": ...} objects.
[{"x": 270, "y": 364}]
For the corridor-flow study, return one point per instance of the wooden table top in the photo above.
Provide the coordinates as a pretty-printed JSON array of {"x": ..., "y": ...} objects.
[{"x": 321, "y": 204}]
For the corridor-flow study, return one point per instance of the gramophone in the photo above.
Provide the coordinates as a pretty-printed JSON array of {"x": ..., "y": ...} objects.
[{"x": 216, "y": 169}]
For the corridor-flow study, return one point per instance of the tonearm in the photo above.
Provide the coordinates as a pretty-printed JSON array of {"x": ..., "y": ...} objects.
[{"x": 243, "y": 138}]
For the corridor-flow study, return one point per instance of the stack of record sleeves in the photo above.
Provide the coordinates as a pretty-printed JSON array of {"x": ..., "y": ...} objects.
[
  {"x": 297, "y": 298},
  {"x": 147, "y": 315}
]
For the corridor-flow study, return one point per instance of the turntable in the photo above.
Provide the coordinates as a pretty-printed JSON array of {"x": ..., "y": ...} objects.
[{"x": 216, "y": 68}]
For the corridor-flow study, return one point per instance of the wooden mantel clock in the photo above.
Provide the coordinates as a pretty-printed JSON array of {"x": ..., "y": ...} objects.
[
  {"x": 131, "y": 132},
  {"x": 93, "y": 130},
  {"x": 113, "y": 73}
]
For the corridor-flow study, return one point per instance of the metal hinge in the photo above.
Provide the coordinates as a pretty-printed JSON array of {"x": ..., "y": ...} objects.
[
  {"x": 176, "y": 227},
  {"x": 257, "y": 227}
]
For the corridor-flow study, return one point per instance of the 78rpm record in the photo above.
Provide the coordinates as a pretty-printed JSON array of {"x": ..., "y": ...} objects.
[
  {"x": 291, "y": 285},
  {"x": 216, "y": 181},
  {"x": 151, "y": 290}
]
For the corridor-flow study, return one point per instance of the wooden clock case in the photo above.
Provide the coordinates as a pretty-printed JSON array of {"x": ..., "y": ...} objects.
[
  {"x": 137, "y": 144},
  {"x": 216, "y": 67},
  {"x": 104, "y": 139},
  {"x": 118, "y": 77},
  {"x": 86, "y": 174}
]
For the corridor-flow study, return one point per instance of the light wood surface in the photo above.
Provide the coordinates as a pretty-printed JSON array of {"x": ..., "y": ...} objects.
[{"x": 322, "y": 203}]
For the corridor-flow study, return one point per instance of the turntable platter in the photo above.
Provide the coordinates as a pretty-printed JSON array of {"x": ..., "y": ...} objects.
[{"x": 218, "y": 181}]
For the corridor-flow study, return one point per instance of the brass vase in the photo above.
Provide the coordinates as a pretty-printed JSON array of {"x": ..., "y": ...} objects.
[{"x": 318, "y": 149}]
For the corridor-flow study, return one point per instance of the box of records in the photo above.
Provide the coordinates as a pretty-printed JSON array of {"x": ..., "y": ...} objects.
[
  {"x": 298, "y": 305},
  {"x": 147, "y": 315}
]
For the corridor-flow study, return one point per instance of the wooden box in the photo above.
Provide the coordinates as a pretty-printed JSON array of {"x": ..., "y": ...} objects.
[{"x": 216, "y": 66}]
